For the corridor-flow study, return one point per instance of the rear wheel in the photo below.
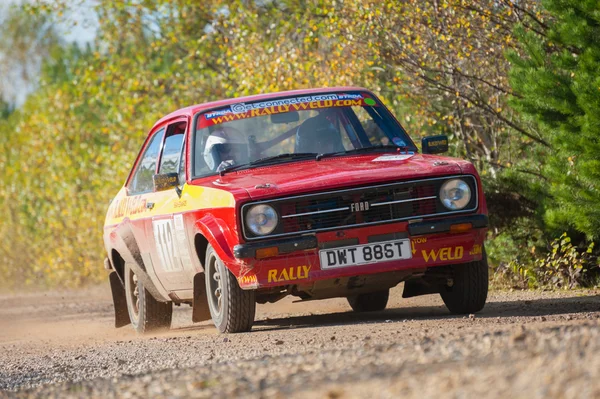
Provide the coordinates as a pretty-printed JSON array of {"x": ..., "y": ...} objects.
[
  {"x": 469, "y": 289},
  {"x": 371, "y": 302},
  {"x": 232, "y": 309},
  {"x": 146, "y": 313}
]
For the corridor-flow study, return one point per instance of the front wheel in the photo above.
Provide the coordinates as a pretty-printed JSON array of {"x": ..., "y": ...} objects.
[
  {"x": 146, "y": 313},
  {"x": 371, "y": 302},
  {"x": 232, "y": 309},
  {"x": 469, "y": 289}
]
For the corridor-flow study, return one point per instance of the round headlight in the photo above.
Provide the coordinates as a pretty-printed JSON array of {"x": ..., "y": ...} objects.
[
  {"x": 261, "y": 219},
  {"x": 455, "y": 194}
]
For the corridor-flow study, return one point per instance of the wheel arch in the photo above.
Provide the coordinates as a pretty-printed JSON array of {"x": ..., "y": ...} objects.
[
  {"x": 217, "y": 233},
  {"x": 126, "y": 246},
  {"x": 213, "y": 231}
]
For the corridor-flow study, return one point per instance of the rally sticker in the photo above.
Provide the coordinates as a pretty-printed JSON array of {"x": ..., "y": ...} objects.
[
  {"x": 277, "y": 106},
  {"x": 399, "y": 157}
]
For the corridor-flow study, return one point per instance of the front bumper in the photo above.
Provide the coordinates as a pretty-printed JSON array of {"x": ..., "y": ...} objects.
[
  {"x": 433, "y": 243},
  {"x": 284, "y": 246}
]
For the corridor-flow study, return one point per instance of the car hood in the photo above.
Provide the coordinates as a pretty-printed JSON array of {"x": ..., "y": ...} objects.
[{"x": 309, "y": 176}]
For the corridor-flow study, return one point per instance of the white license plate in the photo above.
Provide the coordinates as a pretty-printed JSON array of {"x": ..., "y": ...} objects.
[{"x": 365, "y": 254}]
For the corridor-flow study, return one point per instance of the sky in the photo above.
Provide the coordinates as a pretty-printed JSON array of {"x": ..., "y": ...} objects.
[
  {"x": 83, "y": 13},
  {"x": 82, "y": 32}
]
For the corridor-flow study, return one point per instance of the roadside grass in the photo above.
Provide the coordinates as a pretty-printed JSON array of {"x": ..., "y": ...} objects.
[{"x": 559, "y": 266}]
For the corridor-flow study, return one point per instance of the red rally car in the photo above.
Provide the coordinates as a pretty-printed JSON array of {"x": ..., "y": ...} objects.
[{"x": 313, "y": 193}]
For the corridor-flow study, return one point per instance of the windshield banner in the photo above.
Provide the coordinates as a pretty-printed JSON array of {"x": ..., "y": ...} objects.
[{"x": 277, "y": 106}]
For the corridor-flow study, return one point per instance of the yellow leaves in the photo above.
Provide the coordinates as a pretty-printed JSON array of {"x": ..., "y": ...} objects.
[{"x": 128, "y": 85}]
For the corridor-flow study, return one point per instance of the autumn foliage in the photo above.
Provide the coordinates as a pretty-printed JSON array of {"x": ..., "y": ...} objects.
[{"x": 439, "y": 64}]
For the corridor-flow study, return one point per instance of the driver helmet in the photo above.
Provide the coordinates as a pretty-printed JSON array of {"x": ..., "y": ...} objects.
[{"x": 218, "y": 150}]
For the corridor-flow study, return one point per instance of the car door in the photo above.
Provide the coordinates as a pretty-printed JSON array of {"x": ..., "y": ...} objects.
[
  {"x": 140, "y": 194},
  {"x": 165, "y": 229}
]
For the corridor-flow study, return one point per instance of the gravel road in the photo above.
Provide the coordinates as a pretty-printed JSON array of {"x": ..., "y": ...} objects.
[{"x": 523, "y": 344}]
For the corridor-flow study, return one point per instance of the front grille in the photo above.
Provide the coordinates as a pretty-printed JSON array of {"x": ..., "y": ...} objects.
[{"x": 362, "y": 206}]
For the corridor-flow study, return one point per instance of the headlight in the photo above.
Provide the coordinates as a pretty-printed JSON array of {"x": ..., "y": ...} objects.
[
  {"x": 455, "y": 194},
  {"x": 261, "y": 219}
]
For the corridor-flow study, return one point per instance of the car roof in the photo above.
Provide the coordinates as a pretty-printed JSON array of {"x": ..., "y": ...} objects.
[{"x": 193, "y": 109}]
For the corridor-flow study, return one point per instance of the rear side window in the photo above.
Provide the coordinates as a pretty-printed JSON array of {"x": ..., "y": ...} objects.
[{"x": 142, "y": 179}]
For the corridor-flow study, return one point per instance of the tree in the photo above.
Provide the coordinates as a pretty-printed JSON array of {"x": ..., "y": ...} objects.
[
  {"x": 447, "y": 56},
  {"x": 74, "y": 139},
  {"x": 437, "y": 63},
  {"x": 556, "y": 84}
]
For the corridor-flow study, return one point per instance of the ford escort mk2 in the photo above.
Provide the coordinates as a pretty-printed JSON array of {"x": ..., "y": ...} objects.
[{"x": 313, "y": 193}]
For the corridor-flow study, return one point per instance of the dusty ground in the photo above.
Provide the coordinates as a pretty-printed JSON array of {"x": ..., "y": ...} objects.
[{"x": 524, "y": 344}]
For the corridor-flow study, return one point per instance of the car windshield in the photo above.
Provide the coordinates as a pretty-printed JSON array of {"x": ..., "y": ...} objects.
[{"x": 293, "y": 128}]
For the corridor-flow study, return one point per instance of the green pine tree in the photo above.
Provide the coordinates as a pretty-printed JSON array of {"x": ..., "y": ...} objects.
[{"x": 556, "y": 80}]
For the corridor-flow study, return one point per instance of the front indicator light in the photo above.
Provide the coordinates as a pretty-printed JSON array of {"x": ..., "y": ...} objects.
[
  {"x": 460, "y": 227},
  {"x": 269, "y": 252}
]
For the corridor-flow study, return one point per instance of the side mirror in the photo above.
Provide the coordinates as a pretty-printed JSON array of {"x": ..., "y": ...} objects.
[
  {"x": 165, "y": 181},
  {"x": 434, "y": 144}
]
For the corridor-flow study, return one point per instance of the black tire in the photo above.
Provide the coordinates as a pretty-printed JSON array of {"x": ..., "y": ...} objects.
[
  {"x": 232, "y": 309},
  {"x": 469, "y": 289},
  {"x": 146, "y": 313},
  {"x": 371, "y": 302}
]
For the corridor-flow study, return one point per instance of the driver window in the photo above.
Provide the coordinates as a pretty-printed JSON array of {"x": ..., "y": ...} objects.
[
  {"x": 141, "y": 181},
  {"x": 169, "y": 162}
]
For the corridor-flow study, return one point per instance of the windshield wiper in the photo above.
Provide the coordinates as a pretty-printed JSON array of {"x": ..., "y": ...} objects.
[
  {"x": 268, "y": 160},
  {"x": 386, "y": 147},
  {"x": 297, "y": 155}
]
